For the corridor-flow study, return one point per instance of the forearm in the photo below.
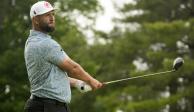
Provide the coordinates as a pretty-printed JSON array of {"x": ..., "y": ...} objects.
[
  {"x": 79, "y": 73},
  {"x": 75, "y": 70}
]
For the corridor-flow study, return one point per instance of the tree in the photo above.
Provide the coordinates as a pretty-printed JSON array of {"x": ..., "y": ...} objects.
[
  {"x": 162, "y": 36},
  {"x": 159, "y": 10}
]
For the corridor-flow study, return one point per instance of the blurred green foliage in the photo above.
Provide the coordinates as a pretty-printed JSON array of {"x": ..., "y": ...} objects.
[{"x": 165, "y": 32}]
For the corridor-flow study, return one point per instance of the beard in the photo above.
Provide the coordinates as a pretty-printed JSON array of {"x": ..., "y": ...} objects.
[{"x": 47, "y": 28}]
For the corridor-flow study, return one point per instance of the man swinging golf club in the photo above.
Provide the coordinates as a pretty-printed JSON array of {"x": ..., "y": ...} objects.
[{"x": 50, "y": 70}]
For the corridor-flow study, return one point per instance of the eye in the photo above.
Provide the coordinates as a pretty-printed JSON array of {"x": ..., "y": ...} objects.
[
  {"x": 53, "y": 14},
  {"x": 47, "y": 14}
]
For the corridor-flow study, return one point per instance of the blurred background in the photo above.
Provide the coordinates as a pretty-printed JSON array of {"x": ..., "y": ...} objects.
[{"x": 111, "y": 39}]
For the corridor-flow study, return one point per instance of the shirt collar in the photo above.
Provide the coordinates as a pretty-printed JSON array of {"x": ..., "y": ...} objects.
[{"x": 35, "y": 33}]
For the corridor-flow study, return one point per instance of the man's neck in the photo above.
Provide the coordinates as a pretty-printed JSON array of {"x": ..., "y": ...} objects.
[{"x": 38, "y": 29}]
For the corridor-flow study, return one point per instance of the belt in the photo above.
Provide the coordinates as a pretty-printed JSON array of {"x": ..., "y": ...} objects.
[{"x": 47, "y": 100}]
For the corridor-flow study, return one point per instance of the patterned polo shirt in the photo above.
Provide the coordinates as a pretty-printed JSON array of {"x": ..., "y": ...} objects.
[{"x": 42, "y": 57}]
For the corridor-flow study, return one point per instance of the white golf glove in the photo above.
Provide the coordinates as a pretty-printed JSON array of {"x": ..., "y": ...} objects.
[{"x": 82, "y": 86}]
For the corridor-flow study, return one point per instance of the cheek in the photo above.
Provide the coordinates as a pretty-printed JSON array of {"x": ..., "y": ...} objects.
[
  {"x": 43, "y": 18},
  {"x": 45, "y": 21},
  {"x": 43, "y": 24}
]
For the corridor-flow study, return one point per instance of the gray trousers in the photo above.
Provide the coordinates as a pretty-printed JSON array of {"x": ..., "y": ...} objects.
[{"x": 36, "y": 104}]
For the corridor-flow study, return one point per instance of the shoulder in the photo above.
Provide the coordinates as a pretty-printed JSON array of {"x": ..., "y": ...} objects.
[
  {"x": 48, "y": 46},
  {"x": 49, "y": 43}
]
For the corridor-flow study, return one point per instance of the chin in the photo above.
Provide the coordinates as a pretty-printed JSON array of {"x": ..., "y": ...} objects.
[
  {"x": 48, "y": 28},
  {"x": 51, "y": 29}
]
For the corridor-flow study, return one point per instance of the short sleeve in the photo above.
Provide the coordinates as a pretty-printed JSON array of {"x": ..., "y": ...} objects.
[{"x": 54, "y": 53}]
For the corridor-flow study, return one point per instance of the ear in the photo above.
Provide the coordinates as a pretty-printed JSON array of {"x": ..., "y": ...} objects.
[{"x": 35, "y": 20}]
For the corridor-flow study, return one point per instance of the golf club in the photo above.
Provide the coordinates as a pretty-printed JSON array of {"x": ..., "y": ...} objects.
[{"x": 178, "y": 62}]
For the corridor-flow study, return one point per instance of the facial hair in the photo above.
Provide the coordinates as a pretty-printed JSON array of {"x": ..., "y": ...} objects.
[{"x": 46, "y": 28}]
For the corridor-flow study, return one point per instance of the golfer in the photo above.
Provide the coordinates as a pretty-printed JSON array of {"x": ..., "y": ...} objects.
[{"x": 51, "y": 71}]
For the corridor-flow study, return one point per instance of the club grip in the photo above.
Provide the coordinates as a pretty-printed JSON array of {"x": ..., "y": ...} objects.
[{"x": 85, "y": 88}]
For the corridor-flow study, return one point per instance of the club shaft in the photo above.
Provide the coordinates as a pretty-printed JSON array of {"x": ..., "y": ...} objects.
[{"x": 130, "y": 78}]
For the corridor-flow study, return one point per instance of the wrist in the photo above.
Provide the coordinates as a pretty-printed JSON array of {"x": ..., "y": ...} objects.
[{"x": 90, "y": 80}]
